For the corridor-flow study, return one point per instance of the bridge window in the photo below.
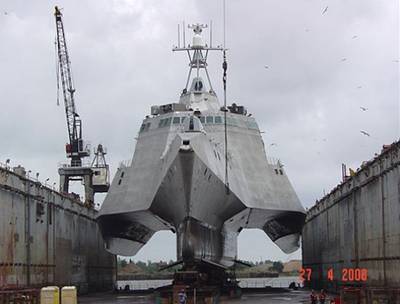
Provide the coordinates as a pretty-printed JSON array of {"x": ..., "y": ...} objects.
[
  {"x": 144, "y": 127},
  {"x": 251, "y": 124},
  {"x": 210, "y": 119},
  {"x": 202, "y": 119},
  {"x": 191, "y": 123},
  {"x": 231, "y": 121},
  {"x": 164, "y": 122},
  {"x": 177, "y": 120},
  {"x": 218, "y": 119}
]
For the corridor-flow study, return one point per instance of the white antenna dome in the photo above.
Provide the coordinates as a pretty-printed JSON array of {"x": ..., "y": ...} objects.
[{"x": 197, "y": 41}]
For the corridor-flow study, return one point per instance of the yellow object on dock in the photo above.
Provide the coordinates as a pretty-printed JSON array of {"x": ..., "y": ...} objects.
[
  {"x": 50, "y": 295},
  {"x": 68, "y": 295}
]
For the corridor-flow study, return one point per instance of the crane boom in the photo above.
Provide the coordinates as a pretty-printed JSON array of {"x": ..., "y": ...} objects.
[
  {"x": 75, "y": 149},
  {"x": 95, "y": 178}
]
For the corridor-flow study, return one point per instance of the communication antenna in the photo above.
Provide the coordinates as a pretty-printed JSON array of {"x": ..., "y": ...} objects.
[
  {"x": 211, "y": 33},
  {"x": 225, "y": 67},
  {"x": 179, "y": 37},
  {"x": 184, "y": 39},
  {"x": 224, "y": 19}
]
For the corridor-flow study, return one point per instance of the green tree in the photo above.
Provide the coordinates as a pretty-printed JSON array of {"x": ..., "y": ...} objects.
[
  {"x": 277, "y": 266},
  {"x": 142, "y": 265}
]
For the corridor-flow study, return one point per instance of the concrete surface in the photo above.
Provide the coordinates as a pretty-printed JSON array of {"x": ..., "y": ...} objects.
[{"x": 272, "y": 298}]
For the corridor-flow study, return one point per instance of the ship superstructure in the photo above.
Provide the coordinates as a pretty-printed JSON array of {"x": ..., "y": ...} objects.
[{"x": 178, "y": 178}]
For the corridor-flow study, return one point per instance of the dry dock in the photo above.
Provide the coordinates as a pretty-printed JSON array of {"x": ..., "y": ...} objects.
[
  {"x": 352, "y": 236},
  {"x": 287, "y": 297},
  {"x": 47, "y": 238}
]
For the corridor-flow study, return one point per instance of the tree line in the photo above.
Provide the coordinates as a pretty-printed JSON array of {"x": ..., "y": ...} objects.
[{"x": 154, "y": 267}]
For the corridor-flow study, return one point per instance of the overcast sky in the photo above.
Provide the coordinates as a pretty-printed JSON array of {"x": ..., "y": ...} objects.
[{"x": 321, "y": 68}]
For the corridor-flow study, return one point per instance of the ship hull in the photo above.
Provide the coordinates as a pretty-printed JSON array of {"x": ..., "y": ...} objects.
[{"x": 190, "y": 197}]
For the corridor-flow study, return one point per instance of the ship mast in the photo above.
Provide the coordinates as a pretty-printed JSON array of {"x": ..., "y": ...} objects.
[{"x": 197, "y": 53}]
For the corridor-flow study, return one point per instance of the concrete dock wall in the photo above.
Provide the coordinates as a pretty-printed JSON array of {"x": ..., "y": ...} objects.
[
  {"x": 357, "y": 226},
  {"x": 49, "y": 239}
]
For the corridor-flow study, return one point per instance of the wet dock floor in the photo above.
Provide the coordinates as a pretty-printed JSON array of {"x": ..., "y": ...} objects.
[
  {"x": 114, "y": 298},
  {"x": 248, "y": 298},
  {"x": 272, "y": 298}
]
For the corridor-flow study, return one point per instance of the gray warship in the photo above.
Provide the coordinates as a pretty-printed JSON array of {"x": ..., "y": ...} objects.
[{"x": 200, "y": 170}]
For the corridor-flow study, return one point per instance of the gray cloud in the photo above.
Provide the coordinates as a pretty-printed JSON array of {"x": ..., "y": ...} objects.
[{"x": 307, "y": 101}]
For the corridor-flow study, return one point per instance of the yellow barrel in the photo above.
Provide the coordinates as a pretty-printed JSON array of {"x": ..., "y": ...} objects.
[
  {"x": 50, "y": 295},
  {"x": 68, "y": 295}
]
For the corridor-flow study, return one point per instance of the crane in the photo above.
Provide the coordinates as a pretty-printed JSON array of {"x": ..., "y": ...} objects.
[
  {"x": 96, "y": 177},
  {"x": 75, "y": 149}
]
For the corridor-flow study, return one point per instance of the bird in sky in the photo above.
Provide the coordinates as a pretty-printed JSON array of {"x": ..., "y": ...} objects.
[
  {"x": 325, "y": 10},
  {"x": 365, "y": 133},
  {"x": 354, "y": 37},
  {"x": 359, "y": 87},
  {"x": 265, "y": 66},
  {"x": 273, "y": 144},
  {"x": 344, "y": 59},
  {"x": 364, "y": 109},
  {"x": 5, "y": 13}
]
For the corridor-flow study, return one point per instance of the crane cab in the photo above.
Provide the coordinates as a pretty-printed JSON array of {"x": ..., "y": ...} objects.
[
  {"x": 100, "y": 179},
  {"x": 100, "y": 170}
]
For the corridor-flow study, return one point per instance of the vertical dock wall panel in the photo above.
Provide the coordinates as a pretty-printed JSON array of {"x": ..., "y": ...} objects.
[
  {"x": 49, "y": 239},
  {"x": 357, "y": 225}
]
